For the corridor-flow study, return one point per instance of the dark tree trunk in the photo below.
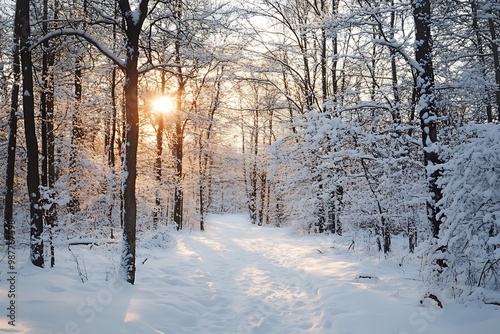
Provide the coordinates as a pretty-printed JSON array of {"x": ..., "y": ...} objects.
[
  {"x": 496, "y": 62},
  {"x": 334, "y": 208},
  {"x": 12, "y": 141},
  {"x": 109, "y": 142},
  {"x": 427, "y": 107},
  {"x": 201, "y": 190},
  {"x": 320, "y": 213},
  {"x": 110, "y": 135},
  {"x": 396, "y": 109},
  {"x": 36, "y": 222},
  {"x": 252, "y": 205},
  {"x": 179, "y": 133},
  {"x": 262, "y": 205},
  {"x": 111, "y": 128},
  {"x": 157, "y": 211},
  {"x": 77, "y": 135},
  {"x": 324, "y": 76},
  {"x": 308, "y": 86},
  {"x": 481, "y": 56},
  {"x": 412, "y": 235},
  {"x": 335, "y": 54},
  {"x": 47, "y": 114},
  {"x": 204, "y": 160},
  {"x": 133, "y": 29},
  {"x": 178, "y": 155}
]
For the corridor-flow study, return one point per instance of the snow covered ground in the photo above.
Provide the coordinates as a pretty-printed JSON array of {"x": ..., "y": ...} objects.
[{"x": 233, "y": 278}]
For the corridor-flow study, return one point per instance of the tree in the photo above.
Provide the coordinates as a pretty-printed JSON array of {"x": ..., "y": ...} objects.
[
  {"x": 133, "y": 21},
  {"x": 496, "y": 55},
  {"x": 23, "y": 30},
  {"x": 427, "y": 108},
  {"x": 12, "y": 138},
  {"x": 47, "y": 114}
]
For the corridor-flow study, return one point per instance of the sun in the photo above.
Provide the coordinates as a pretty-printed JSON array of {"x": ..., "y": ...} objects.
[{"x": 162, "y": 104}]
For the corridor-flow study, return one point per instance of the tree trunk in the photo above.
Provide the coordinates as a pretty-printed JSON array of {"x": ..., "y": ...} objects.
[
  {"x": 157, "y": 211},
  {"x": 427, "y": 108},
  {"x": 412, "y": 235},
  {"x": 263, "y": 187},
  {"x": 110, "y": 135},
  {"x": 252, "y": 205},
  {"x": 36, "y": 222},
  {"x": 179, "y": 133},
  {"x": 109, "y": 141},
  {"x": 47, "y": 114},
  {"x": 130, "y": 164},
  {"x": 178, "y": 155},
  {"x": 77, "y": 135},
  {"x": 202, "y": 165},
  {"x": 205, "y": 161},
  {"x": 129, "y": 213},
  {"x": 481, "y": 57},
  {"x": 324, "y": 77},
  {"x": 496, "y": 62},
  {"x": 12, "y": 141},
  {"x": 308, "y": 86},
  {"x": 335, "y": 54},
  {"x": 396, "y": 109}
]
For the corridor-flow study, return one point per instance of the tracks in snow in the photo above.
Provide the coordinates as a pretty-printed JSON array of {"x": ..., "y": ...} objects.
[{"x": 250, "y": 273}]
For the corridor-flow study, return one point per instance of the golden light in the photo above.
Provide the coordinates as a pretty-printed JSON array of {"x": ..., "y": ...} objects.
[{"x": 162, "y": 104}]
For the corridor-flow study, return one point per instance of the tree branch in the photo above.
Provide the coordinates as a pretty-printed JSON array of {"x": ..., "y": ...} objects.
[{"x": 83, "y": 34}]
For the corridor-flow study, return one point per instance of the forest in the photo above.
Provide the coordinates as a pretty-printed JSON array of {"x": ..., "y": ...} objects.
[{"x": 370, "y": 117}]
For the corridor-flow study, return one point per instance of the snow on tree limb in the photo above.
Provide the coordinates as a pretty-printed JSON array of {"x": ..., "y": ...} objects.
[{"x": 88, "y": 37}]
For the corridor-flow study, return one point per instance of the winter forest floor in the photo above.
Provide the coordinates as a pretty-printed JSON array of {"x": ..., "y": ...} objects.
[{"x": 233, "y": 278}]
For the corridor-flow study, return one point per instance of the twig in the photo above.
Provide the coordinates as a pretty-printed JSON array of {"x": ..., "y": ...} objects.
[{"x": 80, "y": 273}]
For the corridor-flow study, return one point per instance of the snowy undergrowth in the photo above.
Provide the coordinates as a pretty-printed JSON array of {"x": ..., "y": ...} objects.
[
  {"x": 465, "y": 261},
  {"x": 236, "y": 278}
]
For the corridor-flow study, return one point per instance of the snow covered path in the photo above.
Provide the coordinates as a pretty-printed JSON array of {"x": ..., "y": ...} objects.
[
  {"x": 250, "y": 277},
  {"x": 235, "y": 278}
]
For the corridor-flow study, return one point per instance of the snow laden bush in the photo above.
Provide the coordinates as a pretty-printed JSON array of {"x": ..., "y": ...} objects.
[
  {"x": 337, "y": 173},
  {"x": 468, "y": 254}
]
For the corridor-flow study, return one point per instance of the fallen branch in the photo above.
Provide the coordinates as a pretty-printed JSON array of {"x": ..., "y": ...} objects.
[
  {"x": 367, "y": 277},
  {"x": 433, "y": 297}
]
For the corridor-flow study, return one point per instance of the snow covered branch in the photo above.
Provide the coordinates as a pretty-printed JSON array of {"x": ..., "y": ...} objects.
[{"x": 85, "y": 35}]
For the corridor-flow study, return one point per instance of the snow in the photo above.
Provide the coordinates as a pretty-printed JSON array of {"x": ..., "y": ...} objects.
[
  {"x": 233, "y": 278},
  {"x": 136, "y": 16}
]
